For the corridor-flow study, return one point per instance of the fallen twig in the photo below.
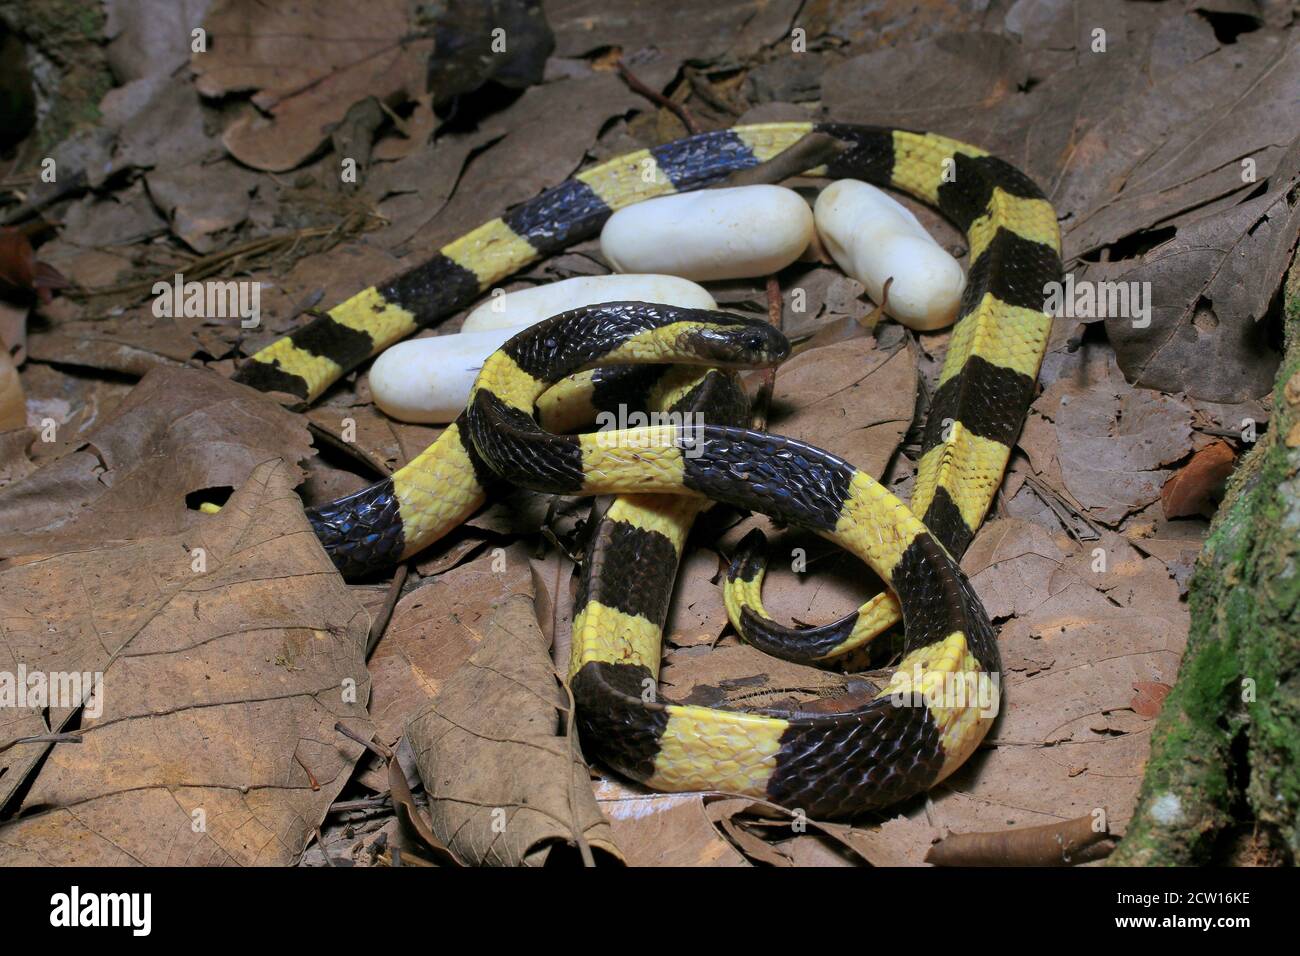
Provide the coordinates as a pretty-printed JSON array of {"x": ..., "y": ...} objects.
[
  {"x": 1053, "y": 844},
  {"x": 813, "y": 150},
  {"x": 68, "y": 738},
  {"x": 403, "y": 801},
  {"x": 763, "y": 400},
  {"x": 677, "y": 109},
  {"x": 380, "y": 623}
]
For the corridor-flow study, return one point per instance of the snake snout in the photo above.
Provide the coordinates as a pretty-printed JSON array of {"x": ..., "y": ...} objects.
[{"x": 750, "y": 343}]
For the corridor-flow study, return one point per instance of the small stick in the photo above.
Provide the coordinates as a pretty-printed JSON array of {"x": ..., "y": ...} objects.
[
  {"x": 679, "y": 110},
  {"x": 763, "y": 401},
  {"x": 307, "y": 770},
  {"x": 386, "y": 612},
  {"x": 703, "y": 88},
  {"x": 374, "y": 746},
  {"x": 1057, "y": 503},
  {"x": 366, "y": 803},
  {"x": 400, "y": 793},
  {"x": 320, "y": 841},
  {"x": 67, "y": 738},
  {"x": 1054, "y": 844},
  {"x": 815, "y": 149}
]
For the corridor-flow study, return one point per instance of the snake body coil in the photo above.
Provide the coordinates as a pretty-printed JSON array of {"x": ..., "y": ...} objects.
[{"x": 870, "y": 752}]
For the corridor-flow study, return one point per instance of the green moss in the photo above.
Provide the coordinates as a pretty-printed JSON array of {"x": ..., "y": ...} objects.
[
  {"x": 69, "y": 64},
  {"x": 1245, "y": 609}
]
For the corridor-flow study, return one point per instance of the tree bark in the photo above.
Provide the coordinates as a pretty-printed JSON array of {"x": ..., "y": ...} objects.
[{"x": 1225, "y": 750}]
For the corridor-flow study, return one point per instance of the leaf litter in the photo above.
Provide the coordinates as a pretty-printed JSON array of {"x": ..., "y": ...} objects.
[{"x": 1169, "y": 154}]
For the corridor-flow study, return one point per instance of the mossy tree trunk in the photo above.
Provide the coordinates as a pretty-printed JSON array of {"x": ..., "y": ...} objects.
[{"x": 1225, "y": 750}]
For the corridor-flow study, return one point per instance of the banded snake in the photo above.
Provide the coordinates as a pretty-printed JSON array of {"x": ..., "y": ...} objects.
[{"x": 867, "y": 754}]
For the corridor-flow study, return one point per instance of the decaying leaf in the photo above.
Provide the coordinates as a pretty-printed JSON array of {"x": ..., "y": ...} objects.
[
  {"x": 853, "y": 399},
  {"x": 1111, "y": 443},
  {"x": 468, "y": 49},
  {"x": 226, "y": 653},
  {"x": 1192, "y": 488},
  {"x": 306, "y": 66},
  {"x": 1209, "y": 287},
  {"x": 179, "y": 432},
  {"x": 504, "y": 780},
  {"x": 434, "y": 628},
  {"x": 663, "y": 829}
]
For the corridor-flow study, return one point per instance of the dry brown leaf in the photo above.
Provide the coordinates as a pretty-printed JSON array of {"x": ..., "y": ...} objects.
[
  {"x": 15, "y": 454},
  {"x": 853, "y": 399},
  {"x": 179, "y": 431},
  {"x": 464, "y": 35},
  {"x": 951, "y": 83},
  {"x": 1177, "y": 140},
  {"x": 505, "y": 783},
  {"x": 1112, "y": 441},
  {"x": 1193, "y": 487},
  {"x": 434, "y": 629},
  {"x": 653, "y": 40},
  {"x": 1083, "y": 634},
  {"x": 1210, "y": 287},
  {"x": 228, "y": 651},
  {"x": 762, "y": 830},
  {"x": 307, "y": 66},
  {"x": 380, "y": 440},
  {"x": 202, "y": 199},
  {"x": 663, "y": 829},
  {"x": 696, "y": 614},
  {"x": 1149, "y": 697},
  {"x": 411, "y": 192},
  {"x": 73, "y": 401}
]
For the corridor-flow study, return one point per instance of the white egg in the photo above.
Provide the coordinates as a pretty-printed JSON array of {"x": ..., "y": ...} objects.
[
  {"x": 428, "y": 380},
  {"x": 874, "y": 238},
  {"x": 732, "y": 233},
  {"x": 527, "y": 306}
]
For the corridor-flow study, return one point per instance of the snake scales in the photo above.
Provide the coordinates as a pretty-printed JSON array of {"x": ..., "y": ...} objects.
[{"x": 869, "y": 752}]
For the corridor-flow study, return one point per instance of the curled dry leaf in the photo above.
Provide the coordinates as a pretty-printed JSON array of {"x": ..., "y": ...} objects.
[
  {"x": 20, "y": 271},
  {"x": 227, "y": 652},
  {"x": 467, "y": 56},
  {"x": 1052, "y": 844},
  {"x": 1192, "y": 489},
  {"x": 504, "y": 779}
]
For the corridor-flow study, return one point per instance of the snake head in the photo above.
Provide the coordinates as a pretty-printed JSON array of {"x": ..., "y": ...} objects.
[{"x": 737, "y": 343}]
